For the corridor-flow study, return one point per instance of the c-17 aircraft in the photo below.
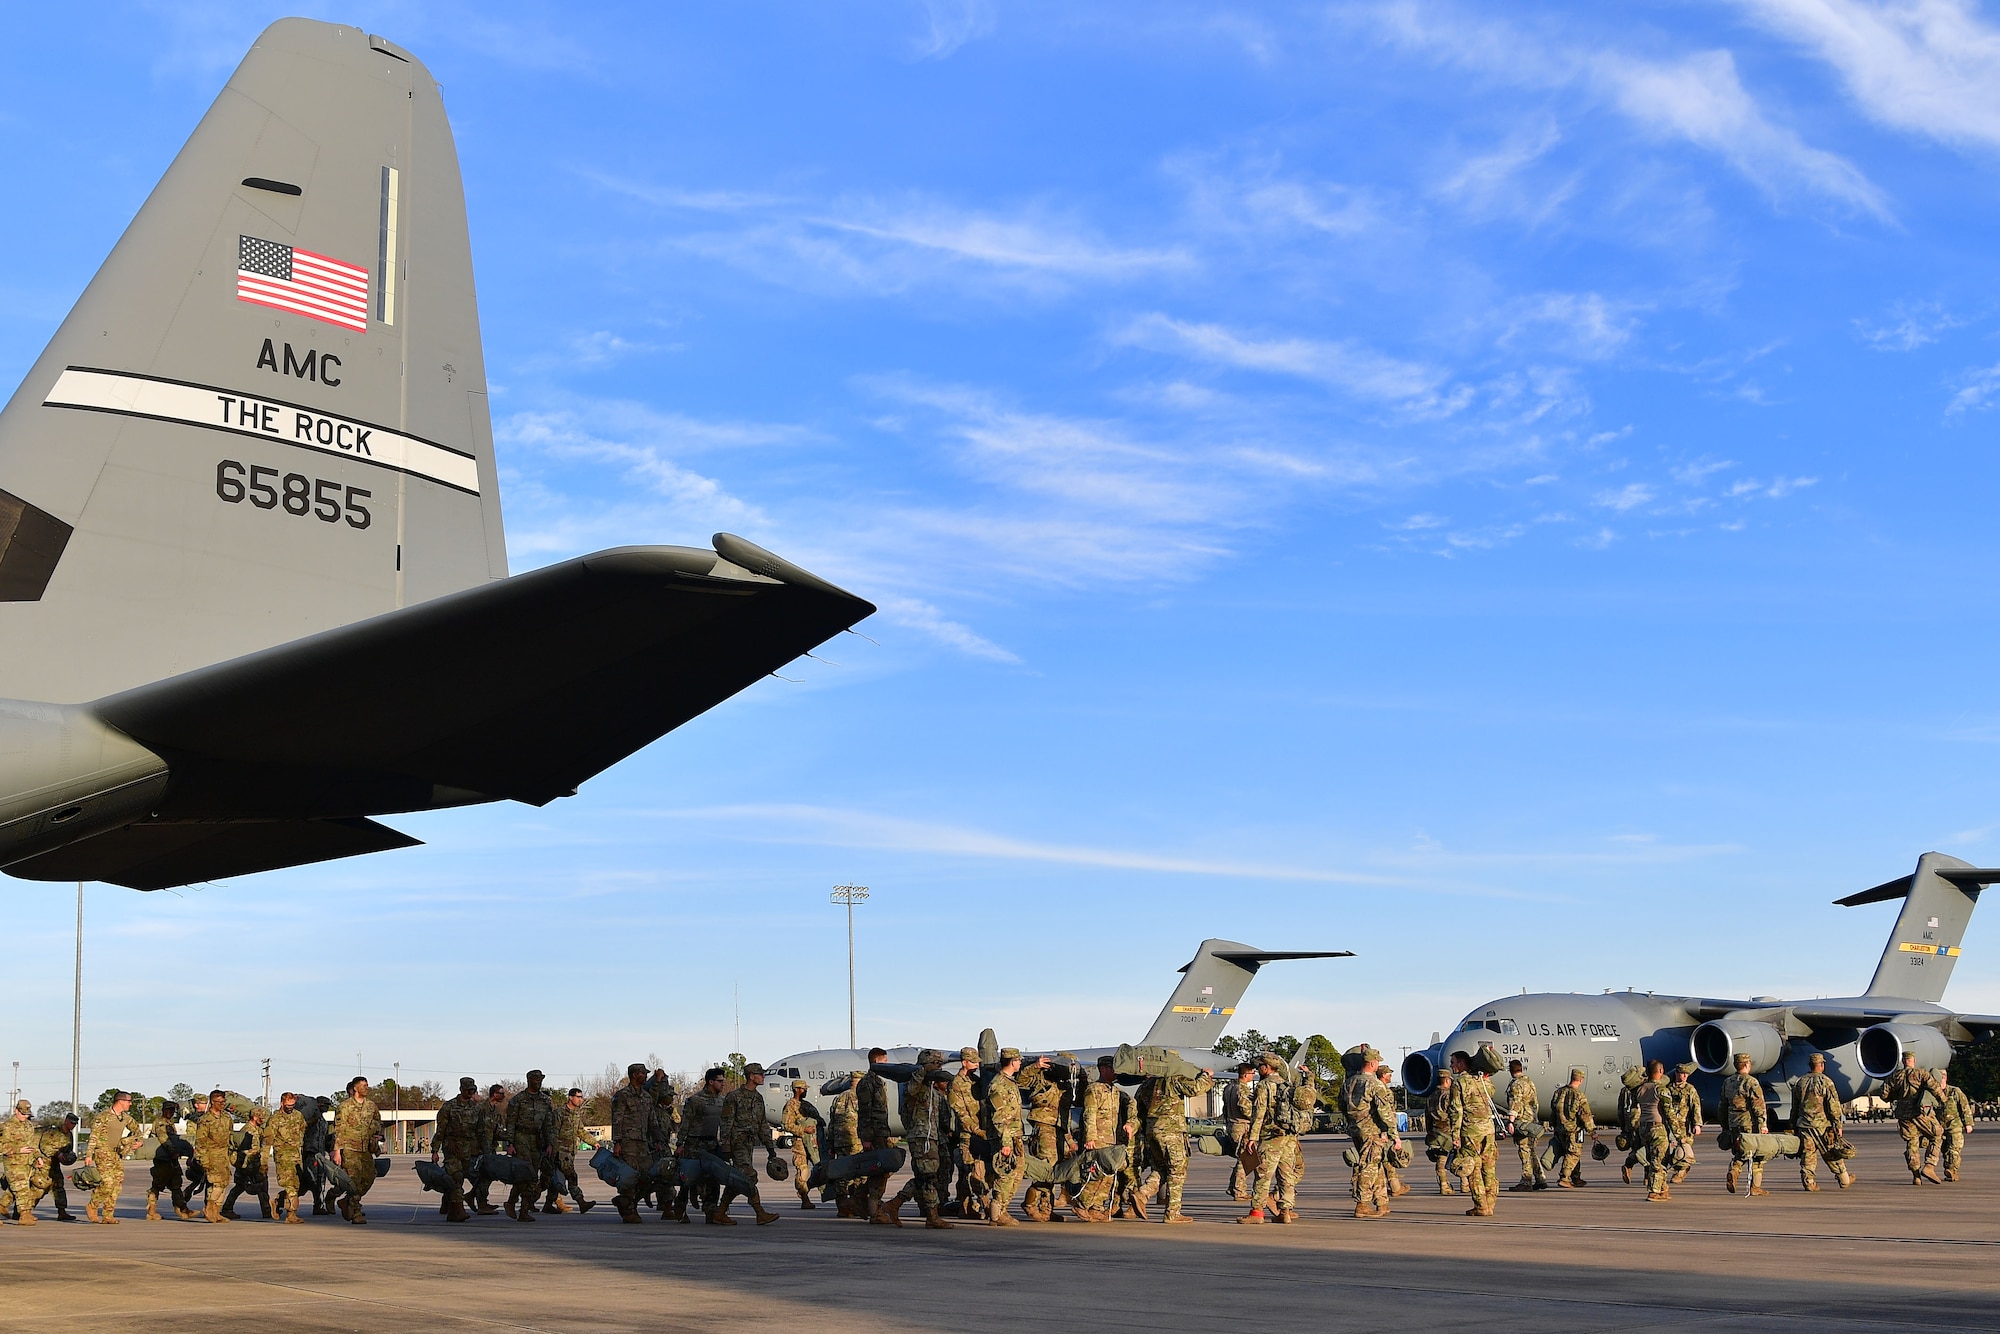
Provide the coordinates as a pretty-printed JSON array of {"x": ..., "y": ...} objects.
[
  {"x": 1200, "y": 1007},
  {"x": 253, "y": 579},
  {"x": 1863, "y": 1037}
]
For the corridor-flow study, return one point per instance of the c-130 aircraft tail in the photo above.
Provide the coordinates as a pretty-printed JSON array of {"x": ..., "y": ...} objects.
[{"x": 253, "y": 581}]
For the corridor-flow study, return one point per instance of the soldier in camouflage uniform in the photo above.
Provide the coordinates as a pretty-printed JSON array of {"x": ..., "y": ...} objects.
[
  {"x": 701, "y": 1132},
  {"x": 927, "y": 1123},
  {"x": 1469, "y": 1111},
  {"x": 214, "y": 1146},
  {"x": 1385, "y": 1077},
  {"x": 1003, "y": 1118},
  {"x": 496, "y": 1123},
  {"x": 1524, "y": 1110},
  {"x": 531, "y": 1127},
  {"x": 1237, "y": 1096},
  {"x": 871, "y": 1108},
  {"x": 1682, "y": 1107},
  {"x": 1133, "y": 1190},
  {"x": 1437, "y": 1130},
  {"x": 1917, "y": 1097},
  {"x": 745, "y": 1130},
  {"x": 1042, "y": 1100},
  {"x": 569, "y": 1134},
  {"x": 969, "y": 1140},
  {"x": 246, "y": 1166},
  {"x": 1163, "y": 1118},
  {"x": 1650, "y": 1129},
  {"x": 631, "y": 1118},
  {"x": 1744, "y": 1112},
  {"x": 357, "y": 1133},
  {"x": 1371, "y": 1124},
  {"x": 663, "y": 1131},
  {"x": 1569, "y": 1111},
  {"x": 285, "y": 1134},
  {"x": 58, "y": 1150},
  {"x": 166, "y": 1172},
  {"x": 1816, "y": 1116},
  {"x": 21, "y": 1150},
  {"x": 464, "y": 1134},
  {"x": 801, "y": 1121},
  {"x": 110, "y": 1133},
  {"x": 1276, "y": 1121},
  {"x": 1100, "y": 1131},
  {"x": 1629, "y": 1084},
  {"x": 843, "y": 1137},
  {"x": 1955, "y": 1119}
]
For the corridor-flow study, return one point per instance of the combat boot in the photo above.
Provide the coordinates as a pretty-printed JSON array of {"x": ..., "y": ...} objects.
[
  {"x": 65, "y": 1216},
  {"x": 1756, "y": 1189},
  {"x": 153, "y": 1209},
  {"x": 890, "y": 1212},
  {"x": 1001, "y": 1218},
  {"x": 27, "y": 1218},
  {"x": 932, "y": 1218},
  {"x": 1139, "y": 1209},
  {"x": 211, "y": 1209},
  {"x": 805, "y": 1202},
  {"x": 1845, "y": 1178},
  {"x": 484, "y": 1207},
  {"x": 1036, "y": 1207},
  {"x": 765, "y": 1217},
  {"x": 188, "y": 1214},
  {"x": 562, "y": 1206},
  {"x": 586, "y": 1206},
  {"x": 1729, "y": 1178},
  {"x": 264, "y": 1206},
  {"x": 1950, "y": 1175},
  {"x": 1930, "y": 1175},
  {"x": 1628, "y": 1174},
  {"x": 627, "y": 1211},
  {"x": 1401, "y": 1189},
  {"x": 1655, "y": 1197},
  {"x": 90, "y": 1210},
  {"x": 1254, "y": 1216},
  {"x": 509, "y": 1206},
  {"x": 1177, "y": 1217},
  {"x": 1525, "y": 1183},
  {"x": 1367, "y": 1211},
  {"x": 720, "y": 1217}
]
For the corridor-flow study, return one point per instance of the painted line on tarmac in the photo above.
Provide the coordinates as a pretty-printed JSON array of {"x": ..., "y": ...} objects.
[{"x": 1703, "y": 1232}]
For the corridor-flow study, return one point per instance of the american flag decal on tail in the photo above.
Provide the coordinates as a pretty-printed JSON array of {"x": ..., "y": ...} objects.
[{"x": 269, "y": 273}]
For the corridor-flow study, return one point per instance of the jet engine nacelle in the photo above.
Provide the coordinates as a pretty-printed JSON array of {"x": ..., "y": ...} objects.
[
  {"x": 1882, "y": 1048},
  {"x": 1420, "y": 1070},
  {"x": 1715, "y": 1045}
]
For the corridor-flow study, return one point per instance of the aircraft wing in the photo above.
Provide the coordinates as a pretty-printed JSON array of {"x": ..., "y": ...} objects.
[
  {"x": 521, "y": 688},
  {"x": 1859, "y": 1013}
]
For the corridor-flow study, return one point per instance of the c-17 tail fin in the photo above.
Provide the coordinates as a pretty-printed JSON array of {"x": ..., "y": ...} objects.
[
  {"x": 1211, "y": 985},
  {"x": 1938, "y": 898}
]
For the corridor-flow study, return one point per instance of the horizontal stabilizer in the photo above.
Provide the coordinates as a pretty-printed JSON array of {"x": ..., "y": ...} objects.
[
  {"x": 158, "y": 855},
  {"x": 1255, "y": 959},
  {"x": 1969, "y": 878},
  {"x": 521, "y": 688}
]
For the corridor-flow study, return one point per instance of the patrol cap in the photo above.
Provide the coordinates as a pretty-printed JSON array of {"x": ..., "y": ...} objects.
[
  {"x": 1009, "y": 1054},
  {"x": 1742, "y": 1060},
  {"x": 467, "y": 1084},
  {"x": 799, "y": 1084},
  {"x": 753, "y": 1068},
  {"x": 1111, "y": 1063},
  {"x": 968, "y": 1053},
  {"x": 1817, "y": 1058},
  {"x": 1684, "y": 1068},
  {"x": 536, "y": 1074},
  {"x": 24, "y": 1106},
  {"x": 1444, "y": 1076},
  {"x": 1576, "y": 1072},
  {"x": 930, "y": 1056},
  {"x": 1270, "y": 1058},
  {"x": 636, "y": 1068}
]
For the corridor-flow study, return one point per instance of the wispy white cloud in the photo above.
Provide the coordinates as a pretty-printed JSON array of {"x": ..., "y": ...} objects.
[
  {"x": 949, "y": 25},
  {"x": 915, "y": 614},
  {"x": 1976, "y": 390},
  {"x": 1697, "y": 98},
  {"x": 1907, "y": 326},
  {"x": 1579, "y": 324},
  {"x": 1338, "y": 363},
  {"x": 1931, "y": 67},
  {"x": 1494, "y": 184},
  {"x": 1626, "y": 497}
]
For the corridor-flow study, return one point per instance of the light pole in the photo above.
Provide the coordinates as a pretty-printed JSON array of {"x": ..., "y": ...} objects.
[
  {"x": 399, "y": 1105},
  {"x": 850, "y": 895},
  {"x": 17, "y": 1087},
  {"x": 76, "y": 1028}
]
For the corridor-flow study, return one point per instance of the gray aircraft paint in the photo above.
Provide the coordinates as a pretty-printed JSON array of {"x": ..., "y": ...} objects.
[
  {"x": 1862, "y": 1037},
  {"x": 1212, "y": 982},
  {"x": 253, "y": 580}
]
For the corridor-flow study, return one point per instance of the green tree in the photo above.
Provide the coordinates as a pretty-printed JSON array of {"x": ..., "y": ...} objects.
[
  {"x": 181, "y": 1094},
  {"x": 1976, "y": 1069},
  {"x": 1252, "y": 1042}
]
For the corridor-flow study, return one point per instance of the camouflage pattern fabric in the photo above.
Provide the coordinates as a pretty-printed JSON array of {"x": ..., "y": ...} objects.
[
  {"x": 1371, "y": 1123},
  {"x": 1278, "y": 1160},
  {"x": 285, "y": 1134},
  {"x": 531, "y": 1124},
  {"x": 1237, "y": 1096},
  {"x": 1916, "y": 1094},
  {"x": 1569, "y": 1112},
  {"x": 1955, "y": 1119},
  {"x": 1680, "y": 1108},
  {"x": 1649, "y": 1139},
  {"x": 48, "y": 1171},
  {"x": 1100, "y": 1131},
  {"x": 1437, "y": 1133},
  {"x": 1003, "y": 1121},
  {"x": 744, "y": 1134},
  {"x": 464, "y": 1134},
  {"x": 804, "y": 1131},
  {"x": 1524, "y": 1109},
  {"x": 21, "y": 1150},
  {"x": 109, "y": 1134},
  {"x": 1745, "y": 1111},
  {"x": 926, "y": 1114},
  {"x": 357, "y": 1129},
  {"x": 1816, "y": 1116},
  {"x": 1163, "y": 1112},
  {"x": 871, "y": 1111},
  {"x": 1469, "y": 1111}
]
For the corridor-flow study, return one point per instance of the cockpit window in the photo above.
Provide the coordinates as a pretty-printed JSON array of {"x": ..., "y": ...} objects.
[
  {"x": 1505, "y": 1028},
  {"x": 1469, "y": 1025}
]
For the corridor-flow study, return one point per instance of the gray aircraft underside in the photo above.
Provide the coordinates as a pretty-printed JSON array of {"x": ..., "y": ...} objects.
[
  {"x": 1199, "y": 1008},
  {"x": 1862, "y": 1037},
  {"x": 253, "y": 576}
]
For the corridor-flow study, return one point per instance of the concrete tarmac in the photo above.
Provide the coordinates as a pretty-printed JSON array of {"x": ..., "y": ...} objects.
[{"x": 1884, "y": 1255}]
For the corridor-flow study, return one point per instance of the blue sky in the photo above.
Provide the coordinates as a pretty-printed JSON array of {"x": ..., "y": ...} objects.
[{"x": 1503, "y": 494}]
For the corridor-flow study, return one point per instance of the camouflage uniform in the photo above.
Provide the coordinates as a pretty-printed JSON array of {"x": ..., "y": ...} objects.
[
  {"x": 531, "y": 1125},
  {"x": 1955, "y": 1119},
  {"x": 1744, "y": 1112},
  {"x": 1042, "y": 1099},
  {"x": 1131, "y": 1181},
  {"x": 1680, "y": 1104},
  {"x": 57, "y": 1149},
  {"x": 1816, "y": 1115},
  {"x": 744, "y": 1131},
  {"x": 569, "y": 1133},
  {"x": 1650, "y": 1133},
  {"x": 1371, "y": 1123},
  {"x": 463, "y": 1135},
  {"x": 1237, "y": 1096},
  {"x": 969, "y": 1140},
  {"x": 357, "y": 1129},
  {"x": 21, "y": 1149},
  {"x": 1917, "y": 1095},
  {"x": 1569, "y": 1112},
  {"x": 1163, "y": 1112},
  {"x": 166, "y": 1174},
  {"x": 1397, "y": 1189},
  {"x": 631, "y": 1121},
  {"x": 246, "y": 1166},
  {"x": 285, "y": 1134},
  {"x": 1629, "y": 1084},
  {"x": 108, "y": 1134},
  {"x": 1437, "y": 1130},
  {"x": 663, "y": 1129},
  {"x": 927, "y": 1123},
  {"x": 802, "y": 1124},
  {"x": 1003, "y": 1118},
  {"x": 1100, "y": 1131},
  {"x": 701, "y": 1132},
  {"x": 1524, "y": 1109},
  {"x": 1469, "y": 1111},
  {"x": 871, "y": 1107},
  {"x": 1276, "y": 1121},
  {"x": 843, "y": 1137},
  {"x": 214, "y": 1145}
]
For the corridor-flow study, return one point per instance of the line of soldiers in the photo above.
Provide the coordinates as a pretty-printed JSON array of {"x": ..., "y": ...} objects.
[{"x": 535, "y": 1130}]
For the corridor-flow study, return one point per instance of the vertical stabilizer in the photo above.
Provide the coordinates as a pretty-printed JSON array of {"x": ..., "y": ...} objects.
[
  {"x": 1938, "y": 898},
  {"x": 266, "y": 415},
  {"x": 1211, "y": 985}
]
